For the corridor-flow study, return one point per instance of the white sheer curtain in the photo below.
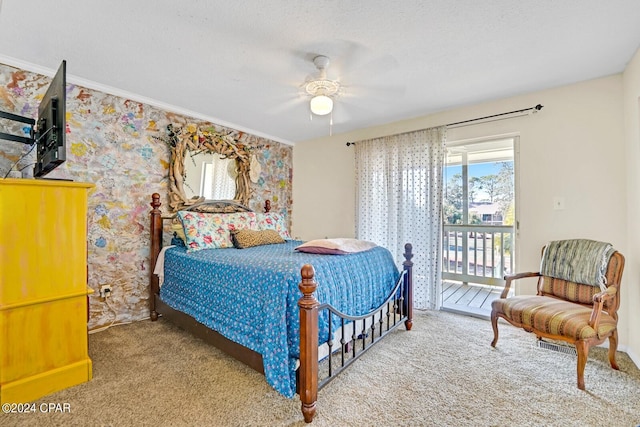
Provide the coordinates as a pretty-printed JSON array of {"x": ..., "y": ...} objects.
[
  {"x": 399, "y": 200},
  {"x": 217, "y": 180}
]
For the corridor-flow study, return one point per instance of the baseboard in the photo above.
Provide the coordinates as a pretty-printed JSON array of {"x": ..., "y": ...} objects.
[
  {"x": 624, "y": 349},
  {"x": 36, "y": 386},
  {"x": 634, "y": 357}
]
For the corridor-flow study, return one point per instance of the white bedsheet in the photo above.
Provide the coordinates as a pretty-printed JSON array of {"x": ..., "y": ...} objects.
[{"x": 158, "y": 270}]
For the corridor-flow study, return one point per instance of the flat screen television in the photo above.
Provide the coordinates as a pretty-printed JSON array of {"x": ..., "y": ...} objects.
[{"x": 51, "y": 125}]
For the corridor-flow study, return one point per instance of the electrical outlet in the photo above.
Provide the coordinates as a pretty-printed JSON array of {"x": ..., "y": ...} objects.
[{"x": 105, "y": 291}]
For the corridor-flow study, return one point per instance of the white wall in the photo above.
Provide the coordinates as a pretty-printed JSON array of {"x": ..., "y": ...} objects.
[
  {"x": 323, "y": 184},
  {"x": 573, "y": 148},
  {"x": 631, "y": 82}
]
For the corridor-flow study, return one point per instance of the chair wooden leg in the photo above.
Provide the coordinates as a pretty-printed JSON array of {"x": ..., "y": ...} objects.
[
  {"x": 613, "y": 347},
  {"x": 494, "y": 325},
  {"x": 582, "y": 348}
]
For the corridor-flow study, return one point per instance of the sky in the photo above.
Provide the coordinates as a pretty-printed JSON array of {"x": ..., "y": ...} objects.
[{"x": 476, "y": 169}]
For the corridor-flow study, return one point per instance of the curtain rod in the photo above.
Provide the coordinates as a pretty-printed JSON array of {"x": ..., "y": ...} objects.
[{"x": 536, "y": 108}]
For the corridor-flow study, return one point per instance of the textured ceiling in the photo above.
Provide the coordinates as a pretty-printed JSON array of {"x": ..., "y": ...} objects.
[{"x": 242, "y": 63}]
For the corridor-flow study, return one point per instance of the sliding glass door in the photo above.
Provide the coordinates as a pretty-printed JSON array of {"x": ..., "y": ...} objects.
[{"x": 479, "y": 221}]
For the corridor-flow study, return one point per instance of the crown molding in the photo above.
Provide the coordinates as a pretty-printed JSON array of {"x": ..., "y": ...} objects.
[{"x": 89, "y": 84}]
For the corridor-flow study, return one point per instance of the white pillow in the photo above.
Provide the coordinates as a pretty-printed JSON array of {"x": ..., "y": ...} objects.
[{"x": 340, "y": 246}]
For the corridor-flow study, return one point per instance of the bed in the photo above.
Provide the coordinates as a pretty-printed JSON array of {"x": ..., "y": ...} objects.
[{"x": 298, "y": 318}]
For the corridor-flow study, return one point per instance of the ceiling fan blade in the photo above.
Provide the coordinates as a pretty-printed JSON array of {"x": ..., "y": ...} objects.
[
  {"x": 286, "y": 106},
  {"x": 346, "y": 111},
  {"x": 351, "y": 56},
  {"x": 357, "y": 62},
  {"x": 365, "y": 80},
  {"x": 373, "y": 91}
]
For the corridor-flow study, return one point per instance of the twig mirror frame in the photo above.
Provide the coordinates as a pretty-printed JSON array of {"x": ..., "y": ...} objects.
[{"x": 184, "y": 139}]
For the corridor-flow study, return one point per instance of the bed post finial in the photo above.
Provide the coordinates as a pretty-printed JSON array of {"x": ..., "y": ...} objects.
[
  {"x": 156, "y": 243},
  {"x": 155, "y": 201},
  {"x": 267, "y": 206},
  {"x": 308, "y": 386},
  {"x": 408, "y": 283}
]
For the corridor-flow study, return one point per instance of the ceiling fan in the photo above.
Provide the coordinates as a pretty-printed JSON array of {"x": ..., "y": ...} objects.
[
  {"x": 349, "y": 82},
  {"x": 321, "y": 89}
]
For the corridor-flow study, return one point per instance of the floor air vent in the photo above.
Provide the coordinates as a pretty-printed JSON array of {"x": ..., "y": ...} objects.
[{"x": 557, "y": 347}]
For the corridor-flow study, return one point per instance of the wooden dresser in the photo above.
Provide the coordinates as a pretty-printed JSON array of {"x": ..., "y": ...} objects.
[{"x": 43, "y": 288}]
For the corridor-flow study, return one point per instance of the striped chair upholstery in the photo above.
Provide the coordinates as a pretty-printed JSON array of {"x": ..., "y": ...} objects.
[
  {"x": 569, "y": 291},
  {"x": 580, "y": 314},
  {"x": 554, "y": 317}
]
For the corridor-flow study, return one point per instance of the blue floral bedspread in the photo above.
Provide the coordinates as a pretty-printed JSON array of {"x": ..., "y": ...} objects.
[{"x": 251, "y": 295}]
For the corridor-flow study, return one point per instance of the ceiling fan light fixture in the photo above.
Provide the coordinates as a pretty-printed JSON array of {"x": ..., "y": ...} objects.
[{"x": 321, "y": 105}]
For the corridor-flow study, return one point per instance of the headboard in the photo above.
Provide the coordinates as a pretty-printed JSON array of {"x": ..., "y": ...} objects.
[{"x": 157, "y": 228}]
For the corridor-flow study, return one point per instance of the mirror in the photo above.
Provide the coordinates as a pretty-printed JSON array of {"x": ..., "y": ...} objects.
[
  {"x": 210, "y": 176},
  {"x": 227, "y": 158}
]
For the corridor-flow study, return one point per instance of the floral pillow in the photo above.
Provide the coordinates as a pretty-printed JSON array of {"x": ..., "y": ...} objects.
[
  {"x": 273, "y": 221},
  {"x": 213, "y": 230},
  {"x": 240, "y": 221}
]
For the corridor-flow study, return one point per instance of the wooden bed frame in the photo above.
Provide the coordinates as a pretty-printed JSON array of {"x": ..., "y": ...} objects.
[{"x": 308, "y": 382}]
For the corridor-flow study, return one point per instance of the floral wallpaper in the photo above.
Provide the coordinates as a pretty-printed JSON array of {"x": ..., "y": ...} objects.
[{"x": 120, "y": 146}]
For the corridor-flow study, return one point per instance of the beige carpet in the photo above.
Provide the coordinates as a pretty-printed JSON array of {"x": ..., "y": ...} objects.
[{"x": 442, "y": 373}]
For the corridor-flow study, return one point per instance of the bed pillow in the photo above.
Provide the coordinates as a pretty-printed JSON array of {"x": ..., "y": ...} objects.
[
  {"x": 213, "y": 230},
  {"x": 178, "y": 231},
  {"x": 248, "y": 238},
  {"x": 340, "y": 246},
  {"x": 273, "y": 221}
]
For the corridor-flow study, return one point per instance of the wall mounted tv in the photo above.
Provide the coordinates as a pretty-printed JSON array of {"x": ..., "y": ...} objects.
[
  {"x": 51, "y": 125},
  {"x": 48, "y": 136}
]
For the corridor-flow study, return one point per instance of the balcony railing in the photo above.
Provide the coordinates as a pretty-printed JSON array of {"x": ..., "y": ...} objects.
[{"x": 477, "y": 253}]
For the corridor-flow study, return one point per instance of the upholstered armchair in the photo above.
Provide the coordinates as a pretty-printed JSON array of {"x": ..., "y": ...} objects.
[{"x": 577, "y": 300}]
